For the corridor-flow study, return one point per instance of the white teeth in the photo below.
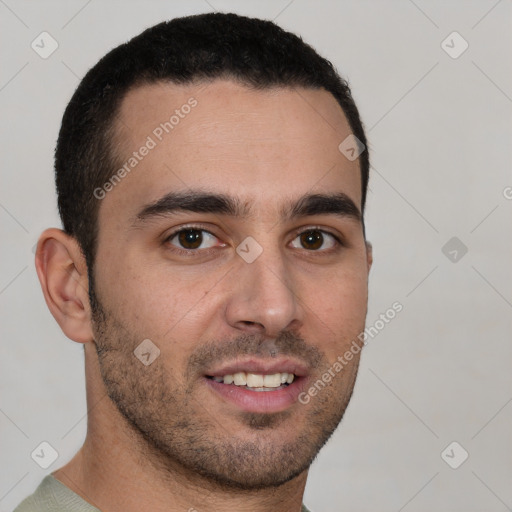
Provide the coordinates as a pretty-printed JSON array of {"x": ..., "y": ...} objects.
[
  {"x": 240, "y": 379},
  {"x": 256, "y": 380},
  {"x": 272, "y": 381}
]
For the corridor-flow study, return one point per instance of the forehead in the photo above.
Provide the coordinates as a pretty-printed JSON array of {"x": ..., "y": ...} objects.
[{"x": 258, "y": 145}]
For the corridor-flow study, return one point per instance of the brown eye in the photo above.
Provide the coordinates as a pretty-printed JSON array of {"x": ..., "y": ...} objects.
[
  {"x": 314, "y": 239},
  {"x": 190, "y": 238},
  {"x": 311, "y": 239}
]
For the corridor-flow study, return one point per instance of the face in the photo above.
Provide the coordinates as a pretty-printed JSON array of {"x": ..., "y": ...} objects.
[{"x": 234, "y": 247}]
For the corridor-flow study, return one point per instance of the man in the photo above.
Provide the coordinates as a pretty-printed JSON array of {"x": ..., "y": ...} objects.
[{"x": 211, "y": 177}]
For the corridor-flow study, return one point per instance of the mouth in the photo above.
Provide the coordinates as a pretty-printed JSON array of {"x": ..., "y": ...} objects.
[
  {"x": 256, "y": 381},
  {"x": 259, "y": 387}
]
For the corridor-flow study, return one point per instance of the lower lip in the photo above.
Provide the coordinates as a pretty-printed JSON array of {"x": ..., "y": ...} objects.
[{"x": 259, "y": 401}]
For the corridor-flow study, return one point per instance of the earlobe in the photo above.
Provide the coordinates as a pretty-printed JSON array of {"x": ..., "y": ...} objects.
[
  {"x": 369, "y": 255},
  {"x": 62, "y": 272}
]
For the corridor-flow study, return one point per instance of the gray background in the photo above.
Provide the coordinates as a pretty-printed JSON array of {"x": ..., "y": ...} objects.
[{"x": 439, "y": 130}]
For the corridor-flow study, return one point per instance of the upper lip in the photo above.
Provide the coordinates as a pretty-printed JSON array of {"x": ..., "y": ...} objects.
[{"x": 264, "y": 367}]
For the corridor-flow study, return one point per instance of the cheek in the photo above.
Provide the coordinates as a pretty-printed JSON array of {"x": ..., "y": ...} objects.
[
  {"x": 339, "y": 300},
  {"x": 165, "y": 303},
  {"x": 137, "y": 297}
]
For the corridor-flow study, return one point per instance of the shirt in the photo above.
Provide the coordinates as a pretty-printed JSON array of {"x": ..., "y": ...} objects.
[{"x": 53, "y": 496}]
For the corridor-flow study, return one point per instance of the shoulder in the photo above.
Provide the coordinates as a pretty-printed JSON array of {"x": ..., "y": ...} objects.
[{"x": 53, "y": 496}]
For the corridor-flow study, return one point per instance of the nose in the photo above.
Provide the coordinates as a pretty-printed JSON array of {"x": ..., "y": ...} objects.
[{"x": 264, "y": 298}]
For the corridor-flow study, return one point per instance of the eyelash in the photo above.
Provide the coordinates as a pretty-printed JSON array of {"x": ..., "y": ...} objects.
[{"x": 201, "y": 252}]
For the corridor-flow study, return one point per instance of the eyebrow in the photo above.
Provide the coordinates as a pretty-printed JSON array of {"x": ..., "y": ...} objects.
[{"x": 198, "y": 201}]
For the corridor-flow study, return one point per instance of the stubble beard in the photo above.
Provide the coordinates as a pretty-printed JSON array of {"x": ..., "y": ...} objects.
[{"x": 172, "y": 431}]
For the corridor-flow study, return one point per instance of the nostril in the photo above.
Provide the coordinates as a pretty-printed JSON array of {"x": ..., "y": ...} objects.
[{"x": 253, "y": 325}]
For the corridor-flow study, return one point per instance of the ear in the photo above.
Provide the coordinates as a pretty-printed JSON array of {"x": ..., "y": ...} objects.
[
  {"x": 369, "y": 254},
  {"x": 62, "y": 272}
]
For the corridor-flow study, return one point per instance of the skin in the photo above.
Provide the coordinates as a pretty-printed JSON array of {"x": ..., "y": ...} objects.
[{"x": 264, "y": 147}]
